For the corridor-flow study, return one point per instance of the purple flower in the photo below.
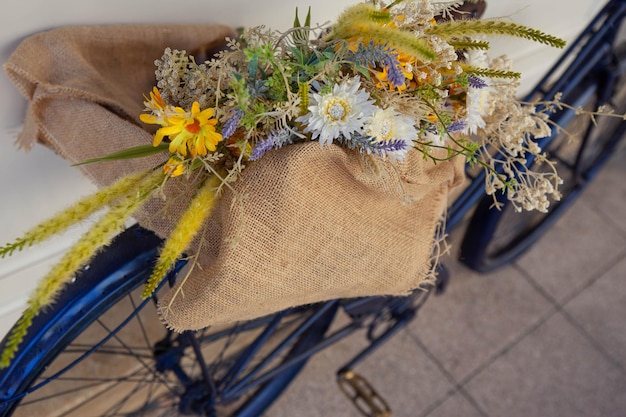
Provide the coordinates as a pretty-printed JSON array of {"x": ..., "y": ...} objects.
[
  {"x": 394, "y": 149},
  {"x": 230, "y": 125},
  {"x": 476, "y": 82},
  {"x": 394, "y": 73},
  {"x": 386, "y": 147},
  {"x": 274, "y": 140},
  {"x": 456, "y": 126}
]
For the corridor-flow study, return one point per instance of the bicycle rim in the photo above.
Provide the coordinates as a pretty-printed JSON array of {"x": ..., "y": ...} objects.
[{"x": 102, "y": 351}]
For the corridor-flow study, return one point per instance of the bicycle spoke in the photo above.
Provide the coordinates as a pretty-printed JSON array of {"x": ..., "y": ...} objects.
[
  {"x": 245, "y": 359},
  {"x": 116, "y": 351},
  {"x": 280, "y": 348},
  {"x": 140, "y": 322},
  {"x": 147, "y": 366},
  {"x": 124, "y": 401},
  {"x": 97, "y": 382},
  {"x": 110, "y": 368}
]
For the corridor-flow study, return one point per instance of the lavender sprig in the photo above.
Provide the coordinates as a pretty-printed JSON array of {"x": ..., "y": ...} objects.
[
  {"x": 457, "y": 126},
  {"x": 394, "y": 74},
  {"x": 230, "y": 125},
  {"x": 392, "y": 148},
  {"x": 379, "y": 55},
  {"x": 275, "y": 140},
  {"x": 476, "y": 82},
  {"x": 371, "y": 54}
]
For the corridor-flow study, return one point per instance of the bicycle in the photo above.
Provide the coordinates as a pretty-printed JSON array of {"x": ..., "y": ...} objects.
[{"x": 90, "y": 341}]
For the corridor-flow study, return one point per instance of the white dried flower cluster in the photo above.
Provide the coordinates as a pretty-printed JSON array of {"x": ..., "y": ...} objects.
[
  {"x": 414, "y": 13},
  {"x": 171, "y": 68},
  {"x": 536, "y": 194},
  {"x": 181, "y": 80},
  {"x": 512, "y": 127},
  {"x": 446, "y": 59},
  {"x": 446, "y": 8}
]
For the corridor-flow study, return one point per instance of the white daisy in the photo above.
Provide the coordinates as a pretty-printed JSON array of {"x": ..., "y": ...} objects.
[
  {"x": 388, "y": 125},
  {"x": 339, "y": 113},
  {"x": 475, "y": 103}
]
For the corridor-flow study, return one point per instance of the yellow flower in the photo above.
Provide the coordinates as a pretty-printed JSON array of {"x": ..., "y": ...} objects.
[
  {"x": 174, "y": 167},
  {"x": 157, "y": 107},
  {"x": 156, "y": 102},
  {"x": 190, "y": 132}
]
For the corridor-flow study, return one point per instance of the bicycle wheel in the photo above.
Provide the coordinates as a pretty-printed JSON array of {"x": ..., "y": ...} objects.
[
  {"x": 495, "y": 238},
  {"x": 102, "y": 351}
]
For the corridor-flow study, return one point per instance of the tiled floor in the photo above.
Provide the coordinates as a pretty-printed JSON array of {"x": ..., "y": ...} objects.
[{"x": 543, "y": 337}]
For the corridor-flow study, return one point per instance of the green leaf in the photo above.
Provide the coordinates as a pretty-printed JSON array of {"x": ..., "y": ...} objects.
[
  {"x": 328, "y": 54},
  {"x": 130, "y": 153},
  {"x": 364, "y": 71},
  {"x": 296, "y": 22},
  {"x": 301, "y": 36},
  {"x": 253, "y": 67},
  {"x": 298, "y": 55},
  {"x": 307, "y": 21},
  {"x": 195, "y": 164}
]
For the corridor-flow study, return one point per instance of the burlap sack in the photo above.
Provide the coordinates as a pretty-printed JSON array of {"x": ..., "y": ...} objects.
[
  {"x": 85, "y": 87},
  {"x": 304, "y": 224}
]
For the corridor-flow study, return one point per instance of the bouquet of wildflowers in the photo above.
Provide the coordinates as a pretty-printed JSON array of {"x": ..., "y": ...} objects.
[{"x": 386, "y": 80}]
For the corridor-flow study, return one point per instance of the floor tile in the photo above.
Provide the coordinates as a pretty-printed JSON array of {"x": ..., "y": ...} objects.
[
  {"x": 315, "y": 392},
  {"x": 455, "y": 405},
  {"x": 405, "y": 377},
  {"x": 553, "y": 372},
  {"x": 601, "y": 311},
  {"x": 607, "y": 193},
  {"x": 573, "y": 251},
  {"x": 399, "y": 371},
  {"x": 476, "y": 317}
]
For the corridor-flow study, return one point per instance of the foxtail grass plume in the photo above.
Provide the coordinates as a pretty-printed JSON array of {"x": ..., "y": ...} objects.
[
  {"x": 74, "y": 214},
  {"x": 186, "y": 229},
  {"x": 99, "y": 235}
]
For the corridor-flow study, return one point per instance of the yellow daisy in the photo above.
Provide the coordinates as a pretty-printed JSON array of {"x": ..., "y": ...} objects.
[{"x": 190, "y": 132}]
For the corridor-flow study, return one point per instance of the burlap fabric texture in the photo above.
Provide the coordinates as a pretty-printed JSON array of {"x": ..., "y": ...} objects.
[{"x": 304, "y": 224}]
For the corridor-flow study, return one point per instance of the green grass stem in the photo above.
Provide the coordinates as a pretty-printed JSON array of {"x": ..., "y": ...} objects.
[{"x": 462, "y": 28}]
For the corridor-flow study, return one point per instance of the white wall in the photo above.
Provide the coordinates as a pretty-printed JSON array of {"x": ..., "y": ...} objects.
[{"x": 35, "y": 185}]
